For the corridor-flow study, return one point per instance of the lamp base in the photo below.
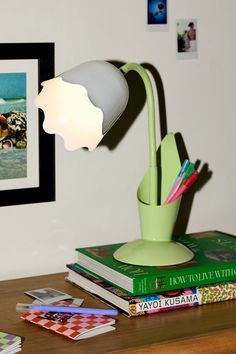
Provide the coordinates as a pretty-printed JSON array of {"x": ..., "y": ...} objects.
[{"x": 153, "y": 253}]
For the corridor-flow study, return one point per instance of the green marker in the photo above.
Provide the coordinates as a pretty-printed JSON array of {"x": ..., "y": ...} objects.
[{"x": 188, "y": 172}]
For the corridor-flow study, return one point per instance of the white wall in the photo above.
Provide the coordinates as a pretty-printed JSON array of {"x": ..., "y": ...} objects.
[{"x": 96, "y": 192}]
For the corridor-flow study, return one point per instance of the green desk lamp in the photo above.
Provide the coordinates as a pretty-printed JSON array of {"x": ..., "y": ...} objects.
[{"x": 81, "y": 105}]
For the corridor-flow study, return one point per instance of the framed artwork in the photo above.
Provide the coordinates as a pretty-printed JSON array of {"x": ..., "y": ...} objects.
[{"x": 27, "y": 153}]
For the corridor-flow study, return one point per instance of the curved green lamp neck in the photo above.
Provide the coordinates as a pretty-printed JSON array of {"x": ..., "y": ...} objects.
[{"x": 151, "y": 126}]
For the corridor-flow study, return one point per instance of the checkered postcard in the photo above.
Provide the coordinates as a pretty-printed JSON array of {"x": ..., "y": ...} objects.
[{"x": 73, "y": 326}]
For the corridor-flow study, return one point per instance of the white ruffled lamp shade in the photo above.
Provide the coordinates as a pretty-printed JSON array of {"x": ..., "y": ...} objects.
[{"x": 82, "y": 104}]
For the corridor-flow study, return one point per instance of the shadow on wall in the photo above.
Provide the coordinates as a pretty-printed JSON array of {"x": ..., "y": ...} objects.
[
  {"x": 187, "y": 200},
  {"x": 137, "y": 99}
]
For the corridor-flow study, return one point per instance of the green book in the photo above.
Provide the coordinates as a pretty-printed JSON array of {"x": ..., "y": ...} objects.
[{"x": 214, "y": 261}]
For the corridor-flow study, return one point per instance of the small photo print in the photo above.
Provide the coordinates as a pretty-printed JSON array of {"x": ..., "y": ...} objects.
[
  {"x": 186, "y": 37},
  {"x": 157, "y": 15},
  {"x": 48, "y": 295}
]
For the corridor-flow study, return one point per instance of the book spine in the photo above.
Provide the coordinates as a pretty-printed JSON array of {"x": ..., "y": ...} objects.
[
  {"x": 188, "y": 298},
  {"x": 80, "y": 267},
  {"x": 182, "y": 279}
]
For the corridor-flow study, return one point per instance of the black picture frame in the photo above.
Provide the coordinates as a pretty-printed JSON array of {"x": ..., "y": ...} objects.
[{"x": 43, "y": 53}]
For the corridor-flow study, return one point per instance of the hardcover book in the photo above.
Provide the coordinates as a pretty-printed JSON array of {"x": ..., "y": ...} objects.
[
  {"x": 151, "y": 303},
  {"x": 73, "y": 326},
  {"x": 214, "y": 262}
]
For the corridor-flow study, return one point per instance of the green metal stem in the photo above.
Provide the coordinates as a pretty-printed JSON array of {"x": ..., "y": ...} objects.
[{"x": 151, "y": 126}]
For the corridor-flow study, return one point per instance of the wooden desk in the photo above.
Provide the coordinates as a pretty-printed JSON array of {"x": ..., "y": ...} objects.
[{"x": 204, "y": 329}]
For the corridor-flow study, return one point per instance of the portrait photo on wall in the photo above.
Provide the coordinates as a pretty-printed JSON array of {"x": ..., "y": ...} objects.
[
  {"x": 157, "y": 15},
  {"x": 186, "y": 38}
]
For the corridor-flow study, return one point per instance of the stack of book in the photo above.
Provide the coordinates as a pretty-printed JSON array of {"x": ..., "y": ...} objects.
[
  {"x": 9, "y": 343},
  {"x": 137, "y": 290}
]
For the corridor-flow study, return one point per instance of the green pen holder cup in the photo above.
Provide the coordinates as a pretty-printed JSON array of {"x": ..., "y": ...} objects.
[{"x": 157, "y": 222}]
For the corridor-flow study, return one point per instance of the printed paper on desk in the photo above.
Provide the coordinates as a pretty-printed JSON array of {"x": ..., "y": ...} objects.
[
  {"x": 74, "y": 301},
  {"x": 48, "y": 295},
  {"x": 73, "y": 326}
]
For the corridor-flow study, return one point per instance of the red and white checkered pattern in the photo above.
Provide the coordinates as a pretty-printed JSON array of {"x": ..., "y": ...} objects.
[{"x": 73, "y": 327}]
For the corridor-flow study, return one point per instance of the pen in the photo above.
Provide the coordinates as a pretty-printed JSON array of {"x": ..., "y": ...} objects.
[
  {"x": 190, "y": 169},
  {"x": 183, "y": 167},
  {"x": 178, "y": 179},
  {"x": 192, "y": 178},
  {"x": 67, "y": 309},
  {"x": 175, "y": 188}
]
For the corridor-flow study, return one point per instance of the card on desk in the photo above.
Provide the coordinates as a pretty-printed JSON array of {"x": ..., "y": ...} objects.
[
  {"x": 48, "y": 295},
  {"x": 73, "y": 326}
]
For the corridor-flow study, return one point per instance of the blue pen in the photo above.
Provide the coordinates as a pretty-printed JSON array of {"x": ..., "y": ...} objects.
[
  {"x": 183, "y": 168},
  {"x": 67, "y": 309}
]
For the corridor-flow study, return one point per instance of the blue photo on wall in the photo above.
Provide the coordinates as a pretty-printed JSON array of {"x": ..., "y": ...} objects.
[{"x": 157, "y": 12}]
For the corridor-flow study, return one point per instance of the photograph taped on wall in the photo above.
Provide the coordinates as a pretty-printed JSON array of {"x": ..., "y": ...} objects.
[
  {"x": 27, "y": 156},
  {"x": 186, "y": 38},
  {"x": 157, "y": 15}
]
